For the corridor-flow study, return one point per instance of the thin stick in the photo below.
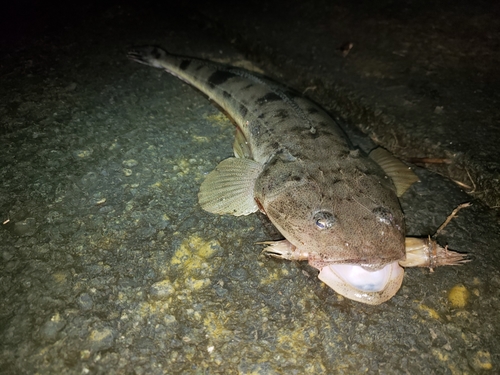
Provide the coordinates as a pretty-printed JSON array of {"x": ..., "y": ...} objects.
[
  {"x": 451, "y": 216},
  {"x": 471, "y": 180},
  {"x": 465, "y": 186}
]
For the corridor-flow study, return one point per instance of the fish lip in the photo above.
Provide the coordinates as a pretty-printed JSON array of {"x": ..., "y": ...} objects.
[{"x": 355, "y": 282}]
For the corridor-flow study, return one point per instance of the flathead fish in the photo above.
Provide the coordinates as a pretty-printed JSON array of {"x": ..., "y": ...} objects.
[{"x": 335, "y": 206}]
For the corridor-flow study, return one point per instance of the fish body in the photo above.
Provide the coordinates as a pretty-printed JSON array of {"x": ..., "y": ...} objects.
[{"x": 335, "y": 206}]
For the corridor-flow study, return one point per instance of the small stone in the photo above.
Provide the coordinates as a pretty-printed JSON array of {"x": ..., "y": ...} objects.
[
  {"x": 85, "y": 302},
  {"x": 83, "y": 154},
  {"x": 130, "y": 163},
  {"x": 50, "y": 328},
  {"x": 101, "y": 339},
  {"x": 481, "y": 361},
  {"x": 6, "y": 256},
  {"x": 26, "y": 227},
  {"x": 169, "y": 319},
  {"x": 161, "y": 290},
  {"x": 239, "y": 274},
  {"x": 70, "y": 87}
]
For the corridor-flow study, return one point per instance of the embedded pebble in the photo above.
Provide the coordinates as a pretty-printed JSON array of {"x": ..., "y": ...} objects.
[
  {"x": 82, "y": 154},
  {"x": 50, "y": 328},
  {"x": 481, "y": 361},
  {"x": 161, "y": 290},
  {"x": 101, "y": 339},
  {"x": 26, "y": 227},
  {"x": 85, "y": 302},
  {"x": 130, "y": 163}
]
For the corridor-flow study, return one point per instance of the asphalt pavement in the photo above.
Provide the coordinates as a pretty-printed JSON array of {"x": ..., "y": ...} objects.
[{"x": 110, "y": 266}]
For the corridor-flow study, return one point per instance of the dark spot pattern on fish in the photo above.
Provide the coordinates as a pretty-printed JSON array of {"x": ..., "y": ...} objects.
[
  {"x": 219, "y": 77},
  {"x": 334, "y": 179},
  {"x": 199, "y": 67},
  {"x": 184, "y": 64},
  {"x": 312, "y": 110},
  {"x": 269, "y": 97},
  {"x": 225, "y": 94},
  {"x": 327, "y": 131},
  {"x": 271, "y": 163},
  {"x": 299, "y": 130},
  {"x": 261, "y": 116},
  {"x": 293, "y": 94},
  {"x": 243, "y": 110},
  {"x": 269, "y": 131},
  {"x": 255, "y": 130},
  {"x": 314, "y": 133},
  {"x": 362, "y": 169},
  {"x": 281, "y": 114},
  {"x": 250, "y": 85}
]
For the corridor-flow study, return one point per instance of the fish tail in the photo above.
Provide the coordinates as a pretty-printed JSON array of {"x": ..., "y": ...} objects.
[{"x": 149, "y": 55}]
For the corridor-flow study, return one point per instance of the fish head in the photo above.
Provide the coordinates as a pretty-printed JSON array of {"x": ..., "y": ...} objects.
[{"x": 353, "y": 220}]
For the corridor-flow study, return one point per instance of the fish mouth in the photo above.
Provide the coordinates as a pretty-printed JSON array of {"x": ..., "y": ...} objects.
[{"x": 362, "y": 285}]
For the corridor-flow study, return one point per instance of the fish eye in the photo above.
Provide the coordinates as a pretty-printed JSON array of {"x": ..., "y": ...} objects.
[
  {"x": 324, "y": 219},
  {"x": 383, "y": 215}
]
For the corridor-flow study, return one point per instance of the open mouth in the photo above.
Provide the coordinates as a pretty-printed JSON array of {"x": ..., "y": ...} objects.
[{"x": 359, "y": 284}]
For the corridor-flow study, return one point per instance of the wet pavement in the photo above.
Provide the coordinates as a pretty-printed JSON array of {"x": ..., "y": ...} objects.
[{"x": 110, "y": 266}]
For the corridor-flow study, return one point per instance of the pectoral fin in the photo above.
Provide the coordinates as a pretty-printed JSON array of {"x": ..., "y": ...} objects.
[
  {"x": 229, "y": 188},
  {"x": 402, "y": 176}
]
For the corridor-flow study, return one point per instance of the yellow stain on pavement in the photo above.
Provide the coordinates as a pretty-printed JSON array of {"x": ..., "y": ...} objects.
[
  {"x": 458, "y": 296},
  {"x": 217, "y": 326},
  {"x": 193, "y": 252},
  {"x": 430, "y": 311},
  {"x": 219, "y": 119},
  {"x": 482, "y": 360},
  {"x": 273, "y": 276}
]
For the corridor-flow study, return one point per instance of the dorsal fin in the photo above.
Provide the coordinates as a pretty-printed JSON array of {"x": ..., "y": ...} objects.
[{"x": 402, "y": 176}]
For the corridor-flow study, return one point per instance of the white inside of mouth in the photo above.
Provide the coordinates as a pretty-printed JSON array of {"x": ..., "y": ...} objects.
[{"x": 359, "y": 284}]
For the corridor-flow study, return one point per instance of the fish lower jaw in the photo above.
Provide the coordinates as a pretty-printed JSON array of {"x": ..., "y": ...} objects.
[{"x": 359, "y": 284}]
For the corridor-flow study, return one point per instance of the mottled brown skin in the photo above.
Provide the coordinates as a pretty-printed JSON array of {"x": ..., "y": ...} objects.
[
  {"x": 353, "y": 189},
  {"x": 328, "y": 201}
]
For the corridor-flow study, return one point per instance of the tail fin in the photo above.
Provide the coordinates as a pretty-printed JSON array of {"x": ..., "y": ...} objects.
[{"x": 149, "y": 55}]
